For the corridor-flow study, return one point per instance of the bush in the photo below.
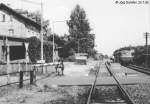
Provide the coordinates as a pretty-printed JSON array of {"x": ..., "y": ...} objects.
[
  {"x": 35, "y": 50},
  {"x": 71, "y": 58},
  {"x": 48, "y": 53}
]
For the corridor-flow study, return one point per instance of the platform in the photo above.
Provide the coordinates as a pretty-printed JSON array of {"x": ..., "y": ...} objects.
[{"x": 81, "y": 78}]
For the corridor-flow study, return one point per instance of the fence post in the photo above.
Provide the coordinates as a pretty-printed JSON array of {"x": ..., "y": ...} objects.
[
  {"x": 46, "y": 68},
  {"x": 42, "y": 69},
  {"x": 21, "y": 79},
  {"x": 32, "y": 76}
]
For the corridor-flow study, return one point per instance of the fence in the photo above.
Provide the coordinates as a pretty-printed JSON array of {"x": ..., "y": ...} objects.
[{"x": 20, "y": 72}]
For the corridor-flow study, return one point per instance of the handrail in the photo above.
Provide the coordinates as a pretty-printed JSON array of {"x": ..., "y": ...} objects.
[
  {"x": 32, "y": 65},
  {"x": 28, "y": 63}
]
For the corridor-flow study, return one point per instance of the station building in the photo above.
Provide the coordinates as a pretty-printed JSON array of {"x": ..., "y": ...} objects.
[{"x": 15, "y": 29}]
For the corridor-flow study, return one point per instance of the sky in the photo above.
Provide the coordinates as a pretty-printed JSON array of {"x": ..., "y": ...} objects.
[{"x": 115, "y": 25}]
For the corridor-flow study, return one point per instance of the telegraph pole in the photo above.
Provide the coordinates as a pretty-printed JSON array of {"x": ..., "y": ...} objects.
[
  {"x": 53, "y": 42},
  {"x": 53, "y": 22},
  {"x": 146, "y": 45},
  {"x": 42, "y": 32}
]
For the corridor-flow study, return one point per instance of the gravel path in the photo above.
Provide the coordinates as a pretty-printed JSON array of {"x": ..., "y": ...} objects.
[
  {"x": 48, "y": 95},
  {"x": 140, "y": 93}
]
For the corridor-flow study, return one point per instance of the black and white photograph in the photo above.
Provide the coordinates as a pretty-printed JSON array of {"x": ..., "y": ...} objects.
[{"x": 74, "y": 51}]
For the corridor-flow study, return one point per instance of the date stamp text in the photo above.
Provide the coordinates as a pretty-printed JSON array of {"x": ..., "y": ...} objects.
[{"x": 131, "y": 2}]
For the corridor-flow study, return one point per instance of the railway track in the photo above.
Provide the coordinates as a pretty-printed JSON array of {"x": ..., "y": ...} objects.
[
  {"x": 139, "y": 69},
  {"x": 108, "y": 94}
]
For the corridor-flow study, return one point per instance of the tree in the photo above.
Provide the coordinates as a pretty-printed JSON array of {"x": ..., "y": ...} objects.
[
  {"x": 45, "y": 23},
  {"x": 64, "y": 44},
  {"x": 59, "y": 40},
  {"x": 79, "y": 30},
  {"x": 139, "y": 57}
]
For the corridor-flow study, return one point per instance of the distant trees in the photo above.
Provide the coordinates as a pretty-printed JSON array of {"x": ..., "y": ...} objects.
[
  {"x": 59, "y": 40},
  {"x": 36, "y": 16},
  {"x": 80, "y": 38},
  {"x": 79, "y": 30},
  {"x": 139, "y": 57}
]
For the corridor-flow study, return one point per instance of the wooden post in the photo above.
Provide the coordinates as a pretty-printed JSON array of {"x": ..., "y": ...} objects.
[
  {"x": 146, "y": 45},
  {"x": 46, "y": 68},
  {"x": 31, "y": 77},
  {"x": 21, "y": 79},
  {"x": 26, "y": 56},
  {"x": 8, "y": 64},
  {"x": 42, "y": 69}
]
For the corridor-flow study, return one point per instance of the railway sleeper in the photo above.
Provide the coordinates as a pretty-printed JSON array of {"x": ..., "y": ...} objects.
[{"x": 107, "y": 97}]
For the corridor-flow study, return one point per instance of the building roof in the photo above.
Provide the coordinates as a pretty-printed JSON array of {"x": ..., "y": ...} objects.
[
  {"x": 20, "y": 17},
  {"x": 12, "y": 38}
]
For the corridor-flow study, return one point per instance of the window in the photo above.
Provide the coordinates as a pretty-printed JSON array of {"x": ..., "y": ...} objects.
[
  {"x": 4, "y": 17},
  {"x": 11, "y": 31},
  {"x": 17, "y": 52}
]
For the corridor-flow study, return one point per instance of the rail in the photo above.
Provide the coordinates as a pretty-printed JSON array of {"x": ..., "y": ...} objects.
[
  {"x": 93, "y": 85},
  {"x": 122, "y": 90},
  {"x": 140, "y": 69}
]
